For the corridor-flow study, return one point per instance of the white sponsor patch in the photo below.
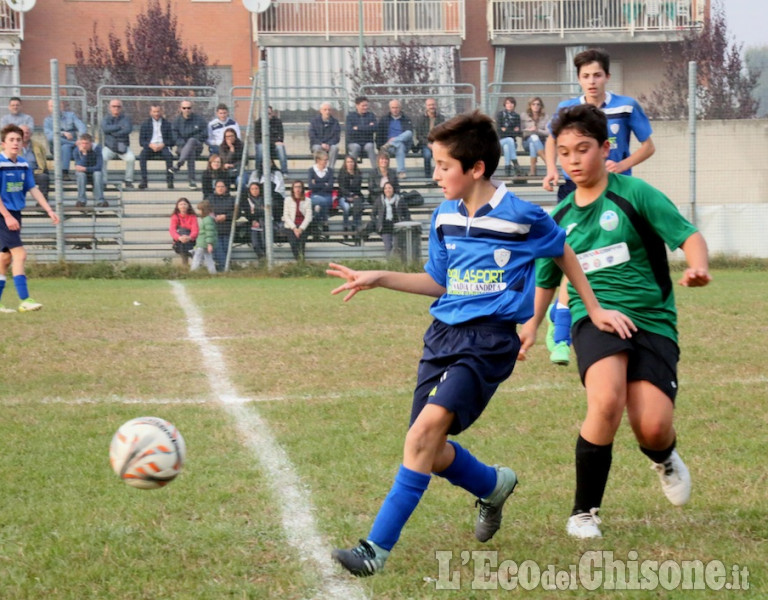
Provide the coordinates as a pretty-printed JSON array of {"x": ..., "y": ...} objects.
[{"x": 601, "y": 258}]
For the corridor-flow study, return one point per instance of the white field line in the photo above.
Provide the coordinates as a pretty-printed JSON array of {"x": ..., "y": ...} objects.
[{"x": 291, "y": 494}]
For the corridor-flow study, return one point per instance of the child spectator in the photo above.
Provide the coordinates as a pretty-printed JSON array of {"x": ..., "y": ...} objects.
[
  {"x": 183, "y": 229},
  {"x": 388, "y": 209},
  {"x": 206, "y": 239},
  {"x": 482, "y": 245}
]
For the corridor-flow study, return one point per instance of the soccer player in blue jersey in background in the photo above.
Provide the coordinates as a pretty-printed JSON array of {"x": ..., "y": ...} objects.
[
  {"x": 625, "y": 118},
  {"x": 483, "y": 242},
  {"x": 16, "y": 179}
]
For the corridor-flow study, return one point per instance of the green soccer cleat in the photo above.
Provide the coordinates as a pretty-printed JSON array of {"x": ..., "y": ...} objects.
[
  {"x": 3, "y": 309},
  {"x": 550, "y": 339},
  {"x": 489, "y": 518},
  {"x": 561, "y": 354},
  {"x": 29, "y": 305}
]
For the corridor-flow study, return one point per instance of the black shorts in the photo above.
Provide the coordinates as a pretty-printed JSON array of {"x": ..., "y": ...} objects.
[
  {"x": 652, "y": 357},
  {"x": 461, "y": 367},
  {"x": 10, "y": 239}
]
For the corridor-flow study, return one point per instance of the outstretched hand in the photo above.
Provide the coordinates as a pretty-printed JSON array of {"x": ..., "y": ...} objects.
[
  {"x": 357, "y": 281},
  {"x": 695, "y": 278}
]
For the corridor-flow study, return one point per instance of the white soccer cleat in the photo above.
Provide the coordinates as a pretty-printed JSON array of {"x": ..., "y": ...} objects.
[
  {"x": 29, "y": 305},
  {"x": 584, "y": 525},
  {"x": 675, "y": 479}
]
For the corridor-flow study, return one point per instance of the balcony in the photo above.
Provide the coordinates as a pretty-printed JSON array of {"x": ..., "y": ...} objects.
[
  {"x": 337, "y": 22},
  {"x": 11, "y": 23},
  {"x": 581, "y": 21}
]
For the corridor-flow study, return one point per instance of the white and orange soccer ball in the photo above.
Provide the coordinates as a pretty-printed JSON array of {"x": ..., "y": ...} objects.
[{"x": 147, "y": 452}]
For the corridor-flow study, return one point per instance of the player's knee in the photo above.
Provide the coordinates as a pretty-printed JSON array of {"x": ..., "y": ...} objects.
[
  {"x": 422, "y": 437},
  {"x": 654, "y": 434}
]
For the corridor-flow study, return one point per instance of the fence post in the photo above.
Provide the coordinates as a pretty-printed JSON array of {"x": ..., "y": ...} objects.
[
  {"x": 692, "y": 136},
  {"x": 56, "y": 117}
]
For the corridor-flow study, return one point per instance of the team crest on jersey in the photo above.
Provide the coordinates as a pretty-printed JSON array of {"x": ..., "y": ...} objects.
[
  {"x": 501, "y": 256},
  {"x": 609, "y": 220},
  {"x": 615, "y": 128}
]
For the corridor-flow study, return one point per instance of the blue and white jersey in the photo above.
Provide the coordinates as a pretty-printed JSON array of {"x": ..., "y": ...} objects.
[
  {"x": 16, "y": 179},
  {"x": 625, "y": 117},
  {"x": 486, "y": 262}
]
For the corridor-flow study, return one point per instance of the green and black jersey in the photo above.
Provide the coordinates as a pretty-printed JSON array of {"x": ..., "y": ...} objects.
[{"x": 619, "y": 240}]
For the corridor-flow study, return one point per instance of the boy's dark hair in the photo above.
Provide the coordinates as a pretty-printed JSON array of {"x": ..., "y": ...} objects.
[
  {"x": 86, "y": 136},
  {"x": 360, "y": 99},
  {"x": 470, "y": 137},
  {"x": 10, "y": 129},
  {"x": 586, "y": 119},
  {"x": 510, "y": 99},
  {"x": 222, "y": 106},
  {"x": 14, "y": 98},
  {"x": 591, "y": 55}
]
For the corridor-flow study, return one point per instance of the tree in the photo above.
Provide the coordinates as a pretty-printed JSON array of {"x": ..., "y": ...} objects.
[
  {"x": 153, "y": 54},
  {"x": 408, "y": 63},
  {"x": 757, "y": 62},
  {"x": 724, "y": 86}
]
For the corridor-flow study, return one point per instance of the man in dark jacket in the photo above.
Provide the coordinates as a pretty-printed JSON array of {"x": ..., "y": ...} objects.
[
  {"x": 325, "y": 133},
  {"x": 424, "y": 124},
  {"x": 89, "y": 165},
  {"x": 190, "y": 131},
  {"x": 117, "y": 128},
  {"x": 395, "y": 135},
  {"x": 276, "y": 141},
  {"x": 156, "y": 139},
  {"x": 361, "y": 128}
]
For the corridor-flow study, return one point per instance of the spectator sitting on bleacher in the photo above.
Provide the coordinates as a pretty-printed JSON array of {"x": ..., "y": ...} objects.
[
  {"x": 380, "y": 176},
  {"x": 231, "y": 152},
  {"x": 217, "y": 126},
  {"x": 320, "y": 186},
  {"x": 89, "y": 164},
  {"x": 509, "y": 129},
  {"x": 325, "y": 133},
  {"x": 278, "y": 193},
  {"x": 190, "y": 132},
  {"x": 71, "y": 127},
  {"x": 351, "y": 192},
  {"x": 424, "y": 124},
  {"x": 297, "y": 217},
  {"x": 183, "y": 229},
  {"x": 535, "y": 131},
  {"x": 276, "y": 141},
  {"x": 213, "y": 172},
  {"x": 223, "y": 207},
  {"x": 156, "y": 139},
  {"x": 388, "y": 209},
  {"x": 15, "y": 116},
  {"x": 394, "y": 134},
  {"x": 252, "y": 208},
  {"x": 361, "y": 129},
  {"x": 117, "y": 128},
  {"x": 35, "y": 153}
]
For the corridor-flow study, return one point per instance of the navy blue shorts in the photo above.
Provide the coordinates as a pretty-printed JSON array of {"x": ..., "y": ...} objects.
[
  {"x": 10, "y": 239},
  {"x": 652, "y": 357},
  {"x": 461, "y": 367}
]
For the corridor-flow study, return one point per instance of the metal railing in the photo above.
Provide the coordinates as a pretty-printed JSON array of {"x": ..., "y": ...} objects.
[
  {"x": 395, "y": 18},
  {"x": 514, "y": 17}
]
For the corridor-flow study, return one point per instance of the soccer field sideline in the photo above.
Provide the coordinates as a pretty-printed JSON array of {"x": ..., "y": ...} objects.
[{"x": 295, "y": 506}]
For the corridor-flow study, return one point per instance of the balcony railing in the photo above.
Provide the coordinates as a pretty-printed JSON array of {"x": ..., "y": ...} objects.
[
  {"x": 516, "y": 17},
  {"x": 11, "y": 21},
  {"x": 381, "y": 18}
]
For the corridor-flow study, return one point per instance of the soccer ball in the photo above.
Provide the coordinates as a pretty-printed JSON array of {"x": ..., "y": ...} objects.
[{"x": 147, "y": 452}]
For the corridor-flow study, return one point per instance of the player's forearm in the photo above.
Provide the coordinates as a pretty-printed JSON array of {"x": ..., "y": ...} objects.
[
  {"x": 696, "y": 252},
  {"x": 413, "y": 283},
  {"x": 549, "y": 154},
  {"x": 541, "y": 301}
]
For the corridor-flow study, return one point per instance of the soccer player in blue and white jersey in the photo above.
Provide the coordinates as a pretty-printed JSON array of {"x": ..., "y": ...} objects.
[
  {"x": 483, "y": 243},
  {"x": 16, "y": 179},
  {"x": 625, "y": 118}
]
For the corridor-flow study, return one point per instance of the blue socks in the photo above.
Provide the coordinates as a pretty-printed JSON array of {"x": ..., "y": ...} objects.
[
  {"x": 2, "y": 285},
  {"x": 403, "y": 497},
  {"x": 561, "y": 317},
  {"x": 20, "y": 281},
  {"x": 469, "y": 473}
]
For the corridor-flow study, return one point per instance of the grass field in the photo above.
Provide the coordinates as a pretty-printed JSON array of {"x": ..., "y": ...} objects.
[{"x": 330, "y": 383}]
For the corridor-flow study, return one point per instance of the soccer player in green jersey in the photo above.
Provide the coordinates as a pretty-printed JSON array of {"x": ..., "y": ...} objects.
[{"x": 618, "y": 226}]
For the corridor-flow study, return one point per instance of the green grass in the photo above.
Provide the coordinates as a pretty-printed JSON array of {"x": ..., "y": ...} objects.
[{"x": 333, "y": 381}]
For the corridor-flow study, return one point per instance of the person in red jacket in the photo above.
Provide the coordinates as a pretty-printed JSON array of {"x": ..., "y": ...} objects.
[{"x": 183, "y": 229}]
